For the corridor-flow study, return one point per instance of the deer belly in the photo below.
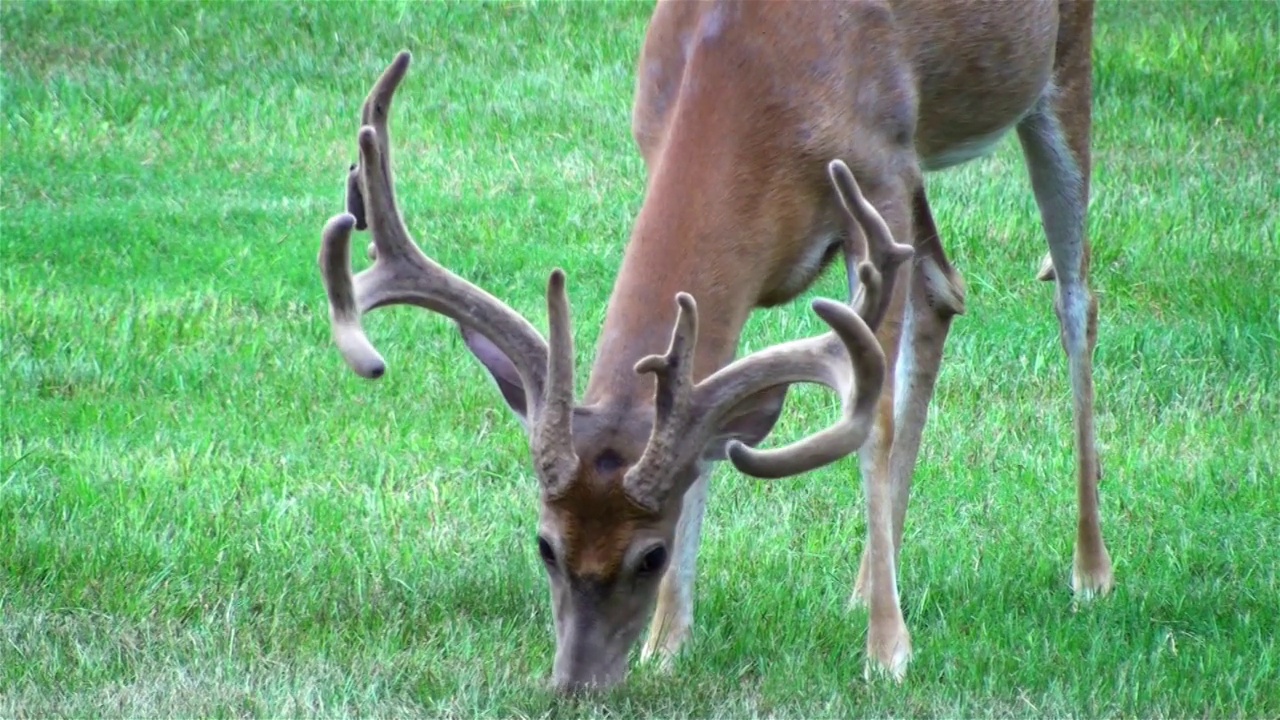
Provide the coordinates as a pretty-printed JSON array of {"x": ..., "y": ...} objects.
[{"x": 965, "y": 150}]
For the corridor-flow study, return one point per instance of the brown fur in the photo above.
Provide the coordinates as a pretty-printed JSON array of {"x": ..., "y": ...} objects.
[{"x": 594, "y": 543}]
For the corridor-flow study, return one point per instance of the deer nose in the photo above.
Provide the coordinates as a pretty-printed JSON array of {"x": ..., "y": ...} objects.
[
  {"x": 585, "y": 678},
  {"x": 585, "y": 685}
]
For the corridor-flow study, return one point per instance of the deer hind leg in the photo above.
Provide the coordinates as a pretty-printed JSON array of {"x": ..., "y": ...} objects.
[
  {"x": 673, "y": 615},
  {"x": 1057, "y": 162}
]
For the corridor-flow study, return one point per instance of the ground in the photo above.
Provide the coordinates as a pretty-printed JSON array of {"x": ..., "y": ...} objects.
[{"x": 203, "y": 512}]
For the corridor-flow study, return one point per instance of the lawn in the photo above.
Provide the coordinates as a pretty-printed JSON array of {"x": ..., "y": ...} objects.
[{"x": 204, "y": 513}]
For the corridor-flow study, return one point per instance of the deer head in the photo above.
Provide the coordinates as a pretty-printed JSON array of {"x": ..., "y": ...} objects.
[{"x": 611, "y": 473}]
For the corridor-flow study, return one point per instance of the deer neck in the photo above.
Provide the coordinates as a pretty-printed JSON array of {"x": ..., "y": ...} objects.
[{"x": 680, "y": 242}]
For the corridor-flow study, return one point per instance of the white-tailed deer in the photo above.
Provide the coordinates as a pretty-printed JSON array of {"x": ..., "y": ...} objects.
[{"x": 754, "y": 119}]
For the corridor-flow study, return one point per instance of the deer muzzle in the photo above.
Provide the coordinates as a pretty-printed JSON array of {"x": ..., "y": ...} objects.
[{"x": 591, "y": 651}]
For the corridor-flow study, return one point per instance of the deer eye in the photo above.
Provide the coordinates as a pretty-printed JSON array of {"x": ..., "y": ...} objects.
[
  {"x": 544, "y": 549},
  {"x": 653, "y": 561}
]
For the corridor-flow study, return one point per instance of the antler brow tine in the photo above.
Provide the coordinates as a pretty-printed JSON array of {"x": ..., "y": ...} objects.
[
  {"x": 553, "y": 429},
  {"x": 647, "y": 482}
]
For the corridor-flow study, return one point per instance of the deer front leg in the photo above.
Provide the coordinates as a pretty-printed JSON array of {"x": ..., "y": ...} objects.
[
  {"x": 886, "y": 485},
  {"x": 936, "y": 296},
  {"x": 673, "y": 616},
  {"x": 888, "y": 640}
]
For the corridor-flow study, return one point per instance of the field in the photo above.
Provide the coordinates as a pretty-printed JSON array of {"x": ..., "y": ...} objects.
[{"x": 204, "y": 513}]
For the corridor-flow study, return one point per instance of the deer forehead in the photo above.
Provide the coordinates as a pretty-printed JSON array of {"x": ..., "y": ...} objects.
[
  {"x": 596, "y": 524},
  {"x": 610, "y": 437}
]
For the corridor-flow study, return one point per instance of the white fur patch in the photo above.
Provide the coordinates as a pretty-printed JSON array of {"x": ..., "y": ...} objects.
[{"x": 904, "y": 371}]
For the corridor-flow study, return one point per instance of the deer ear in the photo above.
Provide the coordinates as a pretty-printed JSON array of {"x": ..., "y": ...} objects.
[
  {"x": 748, "y": 422},
  {"x": 501, "y": 369}
]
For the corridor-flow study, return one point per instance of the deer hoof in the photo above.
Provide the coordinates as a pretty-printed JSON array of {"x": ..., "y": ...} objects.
[
  {"x": 1091, "y": 576},
  {"x": 888, "y": 651}
]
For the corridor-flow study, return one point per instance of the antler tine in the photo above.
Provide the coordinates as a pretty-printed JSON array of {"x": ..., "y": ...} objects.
[
  {"x": 375, "y": 113},
  {"x": 885, "y": 254},
  {"x": 377, "y": 104},
  {"x": 402, "y": 274},
  {"x": 649, "y": 480},
  {"x": 552, "y": 433},
  {"x": 870, "y": 292},
  {"x": 344, "y": 316}
]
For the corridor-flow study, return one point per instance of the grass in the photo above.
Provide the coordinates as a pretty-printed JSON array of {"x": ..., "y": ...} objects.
[{"x": 203, "y": 513}]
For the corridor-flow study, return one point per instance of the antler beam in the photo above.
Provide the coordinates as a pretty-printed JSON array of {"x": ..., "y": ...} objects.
[{"x": 402, "y": 274}]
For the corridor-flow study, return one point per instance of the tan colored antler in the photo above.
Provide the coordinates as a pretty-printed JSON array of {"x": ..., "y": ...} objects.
[
  {"x": 857, "y": 384},
  {"x": 847, "y": 360},
  {"x": 402, "y": 274},
  {"x": 879, "y": 246},
  {"x": 876, "y": 274}
]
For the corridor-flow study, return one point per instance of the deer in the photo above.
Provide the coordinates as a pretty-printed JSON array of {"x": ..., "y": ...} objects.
[{"x": 776, "y": 136}]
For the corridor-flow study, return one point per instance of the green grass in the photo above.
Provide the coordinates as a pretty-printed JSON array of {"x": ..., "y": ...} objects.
[{"x": 203, "y": 513}]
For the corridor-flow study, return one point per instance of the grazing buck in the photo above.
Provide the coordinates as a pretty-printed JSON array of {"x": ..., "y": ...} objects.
[{"x": 740, "y": 108}]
